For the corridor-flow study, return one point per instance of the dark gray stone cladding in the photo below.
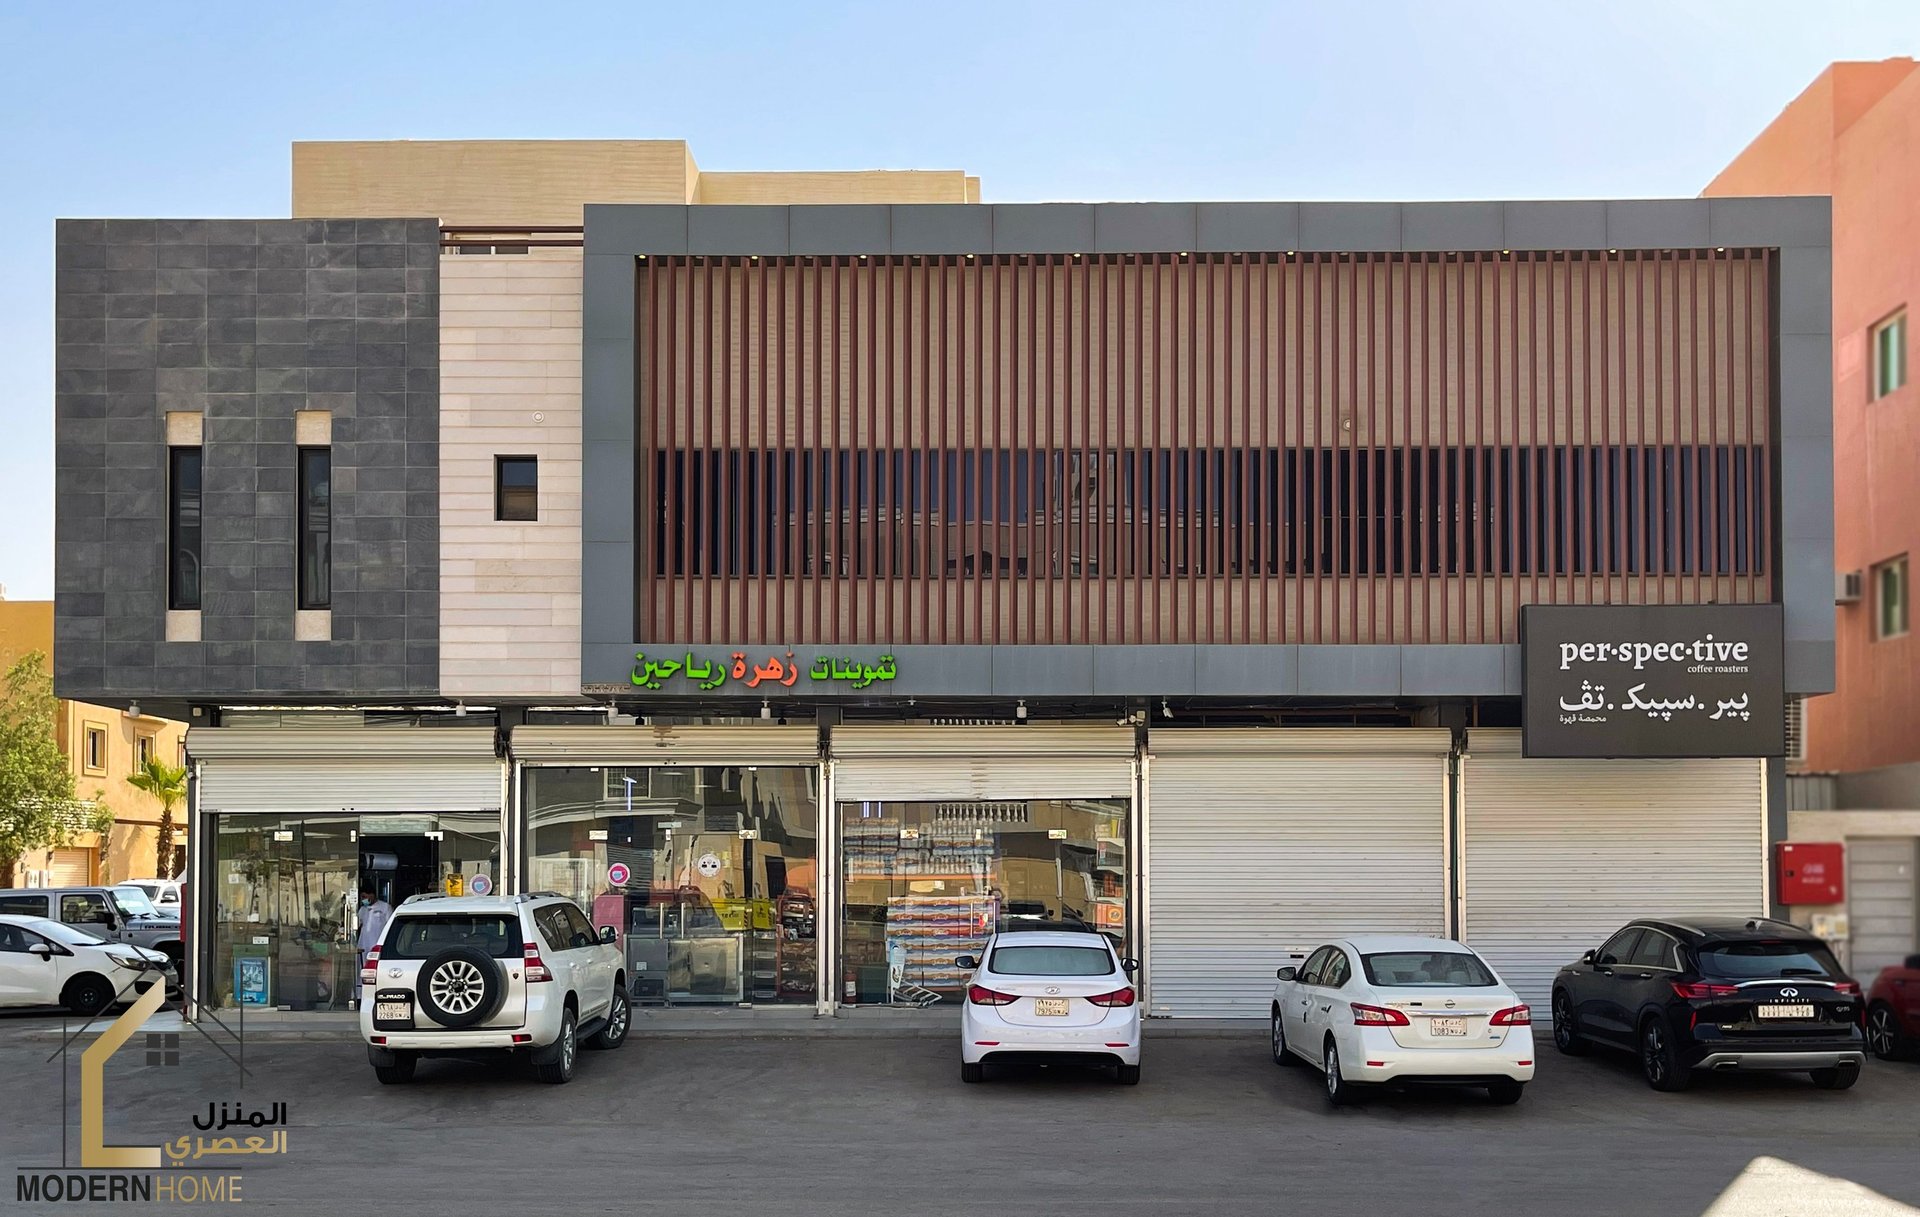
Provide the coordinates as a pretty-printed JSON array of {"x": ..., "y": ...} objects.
[{"x": 247, "y": 322}]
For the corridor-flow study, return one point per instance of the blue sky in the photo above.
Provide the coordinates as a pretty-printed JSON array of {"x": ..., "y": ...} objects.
[{"x": 188, "y": 110}]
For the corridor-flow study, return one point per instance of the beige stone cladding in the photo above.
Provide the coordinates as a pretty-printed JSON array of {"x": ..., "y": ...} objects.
[{"x": 509, "y": 386}]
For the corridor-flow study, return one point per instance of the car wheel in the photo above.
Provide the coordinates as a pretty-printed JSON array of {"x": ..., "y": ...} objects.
[
  {"x": 973, "y": 1071},
  {"x": 1841, "y": 1077},
  {"x": 619, "y": 1020},
  {"x": 1282, "y": 1055},
  {"x": 559, "y": 1070},
  {"x": 1565, "y": 1036},
  {"x": 399, "y": 1072},
  {"x": 1505, "y": 1092},
  {"x": 1340, "y": 1092},
  {"x": 1658, "y": 1059},
  {"x": 1883, "y": 1033},
  {"x": 1128, "y": 1075},
  {"x": 87, "y": 994}
]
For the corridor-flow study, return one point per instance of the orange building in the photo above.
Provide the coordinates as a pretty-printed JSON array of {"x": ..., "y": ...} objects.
[{"x": 1853, "y": 134}]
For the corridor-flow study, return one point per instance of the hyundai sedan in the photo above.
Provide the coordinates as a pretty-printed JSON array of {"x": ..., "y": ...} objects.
[{"x": 1050, "y": 995}]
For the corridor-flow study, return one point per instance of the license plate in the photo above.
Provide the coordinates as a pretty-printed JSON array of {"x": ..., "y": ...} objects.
[
  {"x": 1050, "y": 1005},
  {"x": 393, "y": 1011},
  {"x": 1800, "y": 1010},
  {"x": 1448, "y": 1026}
]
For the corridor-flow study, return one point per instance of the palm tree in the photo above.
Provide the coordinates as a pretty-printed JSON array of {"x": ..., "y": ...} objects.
[{"x": 168, "y": 783}]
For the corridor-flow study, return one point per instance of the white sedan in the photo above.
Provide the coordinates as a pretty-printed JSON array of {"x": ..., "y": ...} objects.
[
  {"x": 1050, "y": 994},
  {"x": 50, "y": 963},
  {"x": 1381, "y": 1009}
]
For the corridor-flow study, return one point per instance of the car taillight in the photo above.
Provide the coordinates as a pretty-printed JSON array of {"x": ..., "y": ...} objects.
[
  {"x": 1699, "y": 990},
  {"x": 1849, "y": 987},
  {"x": 1513, "y": 1016},
  {"x": 369, "y": 971},
  {"x": 1378, "y": 1016},
  {"x": 534, "y": 967},
  {"x": 1119, "y": 997},
  {"x": 979, "y": 995}
]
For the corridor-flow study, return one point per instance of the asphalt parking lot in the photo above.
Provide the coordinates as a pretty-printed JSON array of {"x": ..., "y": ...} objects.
[{"x": 884, "y": 1126}]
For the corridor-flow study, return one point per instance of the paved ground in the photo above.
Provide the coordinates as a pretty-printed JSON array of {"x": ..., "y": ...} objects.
[{"x": 864, "y": 1125}]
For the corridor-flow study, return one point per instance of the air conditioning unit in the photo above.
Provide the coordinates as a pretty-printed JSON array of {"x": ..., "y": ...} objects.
[{"x": 1848, "y": 587}]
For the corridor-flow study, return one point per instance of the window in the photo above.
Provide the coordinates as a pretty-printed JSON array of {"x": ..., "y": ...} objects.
[
  {"x": 1619, "y": 948},
  {"x": 516, "y": 488},
  {"x": 1051, "y": 961},
  {"x": 85, "y": 908},
  {"x": 1450, "y": 969},
  {"x": 1338, "y": 971},
  {"x": 579, "y": 930},
  {"x": 183, "y": 528},
  {"x": 142, "y": 751},
  {"x": 1890, "y": 598},
  {"x": 1315, "y": 965},
  {"x": 316, "y": 528},
  {"x": 1890, "y": 354},
  {"x": 1796, "y": 730},
  {"x": 1767, "y": 960},
  {"x": 24, "y": 906},
  {"x": 1655, "y": 951},
  {"x": 94, "y": 760},
  {"x": 420, "y": 937}
]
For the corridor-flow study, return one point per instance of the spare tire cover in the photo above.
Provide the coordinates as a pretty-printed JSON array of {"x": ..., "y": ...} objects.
[{"x": 461, "y": 987}]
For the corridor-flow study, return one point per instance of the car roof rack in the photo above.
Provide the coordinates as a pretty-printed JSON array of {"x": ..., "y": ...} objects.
[
  {"x": 418, "y": 897},
  {"x": 523, "y": 897}
]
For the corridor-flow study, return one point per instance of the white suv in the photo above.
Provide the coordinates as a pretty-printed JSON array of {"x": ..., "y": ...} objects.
[{"x": 459, "y": 975}]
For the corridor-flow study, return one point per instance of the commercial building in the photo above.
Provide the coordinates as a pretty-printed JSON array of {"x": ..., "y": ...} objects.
[
  {"x": 803, "y": 587},
  {"x": 104, "y": 745},
  {"x": 1851, "y": 135}
]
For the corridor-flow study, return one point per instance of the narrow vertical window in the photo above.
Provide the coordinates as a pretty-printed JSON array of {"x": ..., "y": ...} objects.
[
  {"x": 516, "y": 488},
  {"x": 1890, "y": 598},
  {"x": 1890, "y": 355},
  {"x": 183, "y": 528},
  {"x": 316, "y": 528}
]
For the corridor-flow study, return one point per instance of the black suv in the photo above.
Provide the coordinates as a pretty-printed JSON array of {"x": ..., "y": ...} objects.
[{"x": 1714, "y": 993}]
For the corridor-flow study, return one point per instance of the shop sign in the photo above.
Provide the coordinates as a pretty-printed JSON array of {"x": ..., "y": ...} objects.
[
  {"x": 709, "y": 865},
  {"x": 251, "y": 986},
  {"x": 480, "y": 885},
  {"x": 1700, "y": 680},
  {"x": 618, "y": 874},
  {"x": 396, "y": 826},
  {"x": 704, "y": 673}
]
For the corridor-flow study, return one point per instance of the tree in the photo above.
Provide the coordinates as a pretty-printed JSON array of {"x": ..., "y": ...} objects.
[
  {"x": 38, "y": 809},
  {"x": 168, "y": 783}
]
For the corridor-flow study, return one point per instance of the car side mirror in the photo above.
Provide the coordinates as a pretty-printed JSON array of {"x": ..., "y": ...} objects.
[
  {"x": 608, "y": 933},
  {"x": 966, "y": 961},
  {"x": 41, "y": 949},
  {"x": 1286, "y": 973},
  {"x": 1129, "y": 965},
  {"x": 1587, "y": 958}
]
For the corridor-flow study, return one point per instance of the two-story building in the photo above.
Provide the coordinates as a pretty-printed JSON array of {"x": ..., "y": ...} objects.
[{"x": 807, "y": 574}]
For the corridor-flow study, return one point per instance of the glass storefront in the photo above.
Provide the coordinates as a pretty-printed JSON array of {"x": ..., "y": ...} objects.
[
  {"x": 707, "y": 873},
  {"x": 285, "y": 895},
  {"x": 925, "y": 883}
]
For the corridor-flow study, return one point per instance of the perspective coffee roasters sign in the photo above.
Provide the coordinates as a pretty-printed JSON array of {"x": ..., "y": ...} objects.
[{"x": 1653, "y": 680}]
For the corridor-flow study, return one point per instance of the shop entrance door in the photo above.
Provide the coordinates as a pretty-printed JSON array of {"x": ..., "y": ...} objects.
[{"x": 400, "y": 866}]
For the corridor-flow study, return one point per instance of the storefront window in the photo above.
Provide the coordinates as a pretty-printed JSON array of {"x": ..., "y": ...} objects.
[
  {"x": 285, "y": 895},
  {"x": 928, "y": 882},
  {"x": 706, "y": 873}
]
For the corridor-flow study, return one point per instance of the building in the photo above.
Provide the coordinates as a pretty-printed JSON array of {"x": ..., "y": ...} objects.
[
  {"x": 802, "y": 586},
  {"x": 1851, "y": 135},
  {"x": 104, "y": 745}
]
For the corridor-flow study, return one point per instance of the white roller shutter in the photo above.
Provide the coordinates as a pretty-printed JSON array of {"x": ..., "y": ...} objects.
[
  {"x": 1880, "y": 903},
  {"x": 70, "y": 867},
  {"x": 289, "y": 770},
  {"x": 670, "y": 745},
  {"x": 1557, "y": 854},
  {"x": 1265, "y": 842},
  {"x": 921, "y": 763}
]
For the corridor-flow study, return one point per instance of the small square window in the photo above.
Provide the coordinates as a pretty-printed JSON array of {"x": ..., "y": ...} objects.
[
  {"x": 1890, "y": 598},
  {"x": 142, "y": 751},
  {"x": 1890, "y": 354},
  {"x": 516, "y": 488},
  {"x": 94, "y": 760}
]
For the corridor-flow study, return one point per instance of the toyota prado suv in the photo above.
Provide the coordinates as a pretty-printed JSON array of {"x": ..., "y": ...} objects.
[{"x": 465, "y": 976}]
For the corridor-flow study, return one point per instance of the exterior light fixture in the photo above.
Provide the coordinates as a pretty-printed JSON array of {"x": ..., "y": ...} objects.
[
  {"x": 459, "y": 709},
  {"x": 1020, "y": 712},
  {"x": 766, "y": 708},
  {"x": 1166, "y": 711}
]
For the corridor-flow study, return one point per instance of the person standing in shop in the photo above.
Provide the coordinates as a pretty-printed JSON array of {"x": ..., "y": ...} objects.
[{"x": 373, "y": 920}]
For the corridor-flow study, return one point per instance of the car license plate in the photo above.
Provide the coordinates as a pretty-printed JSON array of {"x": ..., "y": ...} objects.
[
  {"x": 393, "y": 1011},
  {"x": 1448, "y": 1026},
  {"x": 1050, "y": 1005},
  {"x": 1799, "y": 1010}
]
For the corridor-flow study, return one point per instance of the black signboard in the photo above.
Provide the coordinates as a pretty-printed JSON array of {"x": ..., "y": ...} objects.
[{"x": 1653, "y": 680}]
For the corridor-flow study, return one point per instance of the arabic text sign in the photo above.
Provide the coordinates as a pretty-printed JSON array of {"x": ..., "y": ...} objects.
[
  {"x": 1653, "y": 680},
  {"x": 764, "y": 673}
]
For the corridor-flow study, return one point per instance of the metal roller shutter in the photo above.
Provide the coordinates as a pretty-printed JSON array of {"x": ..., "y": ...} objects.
[
  {"x": 70, "y": 867},
  {"x": 909, "y": 764},
  {"x": 1265, "y": 842},
  {"x": 750, "y": 745},
  {"x": 1557, "y": 854},
  {"x": 1880, "y": 903},
  {"x": 354, "y": 769}
]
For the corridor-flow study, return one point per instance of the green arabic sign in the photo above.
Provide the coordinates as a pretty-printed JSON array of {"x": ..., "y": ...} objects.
[{"x": 708, "y": 674}]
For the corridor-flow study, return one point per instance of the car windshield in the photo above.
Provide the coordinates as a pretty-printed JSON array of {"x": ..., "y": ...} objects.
[
  {"x": 1428, "y": 969},
  {"x": 134, "y": 901},
  {"x": 418, "y": 937},
  {"x": 1767, "y": 960},
  {"x": 1051, "y": 961},
  {"x": 61, "y": 932}
]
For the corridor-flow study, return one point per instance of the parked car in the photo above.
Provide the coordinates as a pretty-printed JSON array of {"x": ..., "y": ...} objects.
[
  {"x": 105, "y": 912},
  {"x": 481, "y": 975},
  {"x": 1395, "y": 1010},
  {"x": 1714, "y": 993},
  {"x": 1050, "y": 994},
  {"x": 164, "y": 893},
  {"x": 1893, "y": 1012},
  {"x": 49, "y": 963}
]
